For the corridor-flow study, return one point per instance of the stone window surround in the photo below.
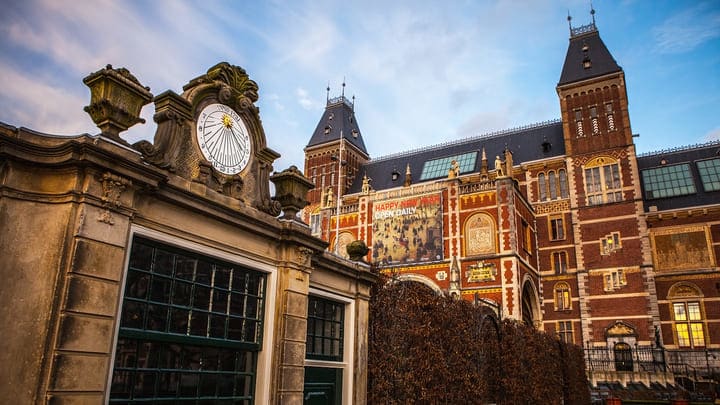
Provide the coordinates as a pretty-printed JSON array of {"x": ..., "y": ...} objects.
[
  {"x": 264, "y": 360},
  {"x": 347, "y": 364}
]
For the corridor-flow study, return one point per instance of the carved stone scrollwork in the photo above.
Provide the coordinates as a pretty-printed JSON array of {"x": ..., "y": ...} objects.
[
  {"x": 171, "y": 148},
  {"x": 303, "y": 255},
  {"x": 113, "y": 186},
  {"x": 237, "y": 87}
]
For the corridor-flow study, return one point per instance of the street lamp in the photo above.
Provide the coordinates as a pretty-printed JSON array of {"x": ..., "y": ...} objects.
[{"x": 341, "y": 163}]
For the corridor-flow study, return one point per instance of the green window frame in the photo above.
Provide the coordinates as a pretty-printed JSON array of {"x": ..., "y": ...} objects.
[
  {"x": 436, "y": 168},
  {"x": 325, "y": 329},
  {"x": 190, "y": 328},
  {"x": 668, "y": 181},
  {"x": 709, "y": 174}
]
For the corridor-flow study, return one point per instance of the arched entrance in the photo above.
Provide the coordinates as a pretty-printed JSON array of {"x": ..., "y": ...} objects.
[
  {"x": 418, "y": 278},
  {"x": 623, "y": 357},
  {"x": 530, "y": 307}
]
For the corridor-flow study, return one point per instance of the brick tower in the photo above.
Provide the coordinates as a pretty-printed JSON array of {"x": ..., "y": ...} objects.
[
  {"x": 614, "y": 275},
  {"x": 333, "y": 158}
]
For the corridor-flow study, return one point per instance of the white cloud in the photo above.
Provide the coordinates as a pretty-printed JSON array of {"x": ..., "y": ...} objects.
[
  {"x": 688, "y": 29},
  {"x": 304, "y": 99},
  {"x": 713, "y": 135},
  {"x": 41, "y": 106}
]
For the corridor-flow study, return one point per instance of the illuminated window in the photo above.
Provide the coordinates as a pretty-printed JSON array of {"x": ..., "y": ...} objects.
[
  {"x": 710, "y": 174},
  {"x": 602, "y": 181},
  {"x": 689, "y": 324},
  {"x": 610, "y": 243},
  {"x": 565, "y": 331},
  {"x": 557, "y": 228},
  {"x": 668, "y": 181},
  {"x": 542, "y": 187},
  {"x": 433, "y": 169},
  {"x": 559, "y": 262},
  {"x": 562, "y": 297}
]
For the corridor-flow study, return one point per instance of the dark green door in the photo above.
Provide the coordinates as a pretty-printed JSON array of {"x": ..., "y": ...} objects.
[{"x": 323, "y": 386}]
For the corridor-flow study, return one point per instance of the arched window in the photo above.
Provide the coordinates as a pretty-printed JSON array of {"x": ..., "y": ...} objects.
[
  {"x": 552, "y": 185},
  {"x": 563, "y": 302},
  {"x": 688, "y": 315},
  {"x": 623, "y": 357},
  {"x": 542, "y": 187},
  {"x": 602, "y": 181},
  {"x": 563, "y": 183}
]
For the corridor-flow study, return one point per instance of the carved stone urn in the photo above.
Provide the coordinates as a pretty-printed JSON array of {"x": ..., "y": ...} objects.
[
  {"x": 291, "y": 189},
  {"x": 116, "y": 98},
  {"x": 357, "y": 250}
]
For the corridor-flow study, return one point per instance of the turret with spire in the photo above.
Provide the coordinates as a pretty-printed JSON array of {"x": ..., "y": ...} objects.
[{"x": 337, "y": 137}]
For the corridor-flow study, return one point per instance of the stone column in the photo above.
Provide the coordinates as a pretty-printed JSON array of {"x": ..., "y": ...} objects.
[{"x": 291, "y": 326}]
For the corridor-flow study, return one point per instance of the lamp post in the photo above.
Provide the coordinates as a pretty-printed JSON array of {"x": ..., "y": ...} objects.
[{"x": 339, "y": 185}]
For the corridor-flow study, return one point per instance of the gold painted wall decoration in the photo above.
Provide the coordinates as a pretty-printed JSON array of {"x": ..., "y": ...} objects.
[
  {"x": 480, "y": 235},
  {"x": 682, "y": 248}
]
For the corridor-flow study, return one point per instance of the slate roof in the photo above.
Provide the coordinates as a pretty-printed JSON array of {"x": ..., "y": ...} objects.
[
  {"x": 525, "y": 143},
  {"x": 585, "y": 44},
  {"x": 689, "y": 154},
  {"x": 339, "y": 117}
]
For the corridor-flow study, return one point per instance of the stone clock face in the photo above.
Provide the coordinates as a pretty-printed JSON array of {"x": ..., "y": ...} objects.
[{"x": 223, "y": 138}]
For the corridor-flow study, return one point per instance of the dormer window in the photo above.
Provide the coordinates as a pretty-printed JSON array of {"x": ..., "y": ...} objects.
[
  {"x": 355, "y": 133},
  {"x": 586, "y": 63},
  {"x": 395, "y": 175},
  {"x": 328, "y": 129}
]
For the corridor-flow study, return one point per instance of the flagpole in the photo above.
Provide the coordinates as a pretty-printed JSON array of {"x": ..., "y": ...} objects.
[{"x": 337, "y": 207}]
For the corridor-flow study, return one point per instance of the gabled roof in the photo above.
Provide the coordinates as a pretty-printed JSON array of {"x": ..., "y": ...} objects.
[
  {"x": 669, "y": 157},
  {"x": 534, "y": 142},
  {"x": 339, "y": 117},
  {"x": 587, "y": 56}
]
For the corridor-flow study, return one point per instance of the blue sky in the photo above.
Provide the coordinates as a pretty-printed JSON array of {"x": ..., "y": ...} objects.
[{"x": 423, "y": 72}]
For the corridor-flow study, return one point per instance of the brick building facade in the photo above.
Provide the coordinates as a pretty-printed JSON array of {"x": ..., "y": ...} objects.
[{"x": 558, "y": 224}]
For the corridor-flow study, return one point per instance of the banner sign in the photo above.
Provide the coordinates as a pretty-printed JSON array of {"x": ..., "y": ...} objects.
[{"x": 407, "y": 230}]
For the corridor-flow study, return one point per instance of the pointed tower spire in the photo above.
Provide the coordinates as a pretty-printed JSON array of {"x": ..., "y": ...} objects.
[
  {"x": 327, "y": 97},
  {"x": 343, "y": 87},
  {"x": 592, "y": 13},
  {"x": 408, "y": 176},
  {"x": 569, "y": 19}
]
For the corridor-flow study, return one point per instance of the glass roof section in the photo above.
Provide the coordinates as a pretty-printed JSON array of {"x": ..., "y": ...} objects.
[{"x": 436, "y": 168}]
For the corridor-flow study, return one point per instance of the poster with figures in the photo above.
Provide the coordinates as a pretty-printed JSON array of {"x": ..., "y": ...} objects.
[{"x": 407, "y": 230}]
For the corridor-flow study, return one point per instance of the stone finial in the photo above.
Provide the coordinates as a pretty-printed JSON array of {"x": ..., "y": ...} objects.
[
  {"x": 408, "y": 177},
  {"x": 357, "y": 250},
  {"x": 116, "y": 98},
  {"x": 291, "y": 189}
]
